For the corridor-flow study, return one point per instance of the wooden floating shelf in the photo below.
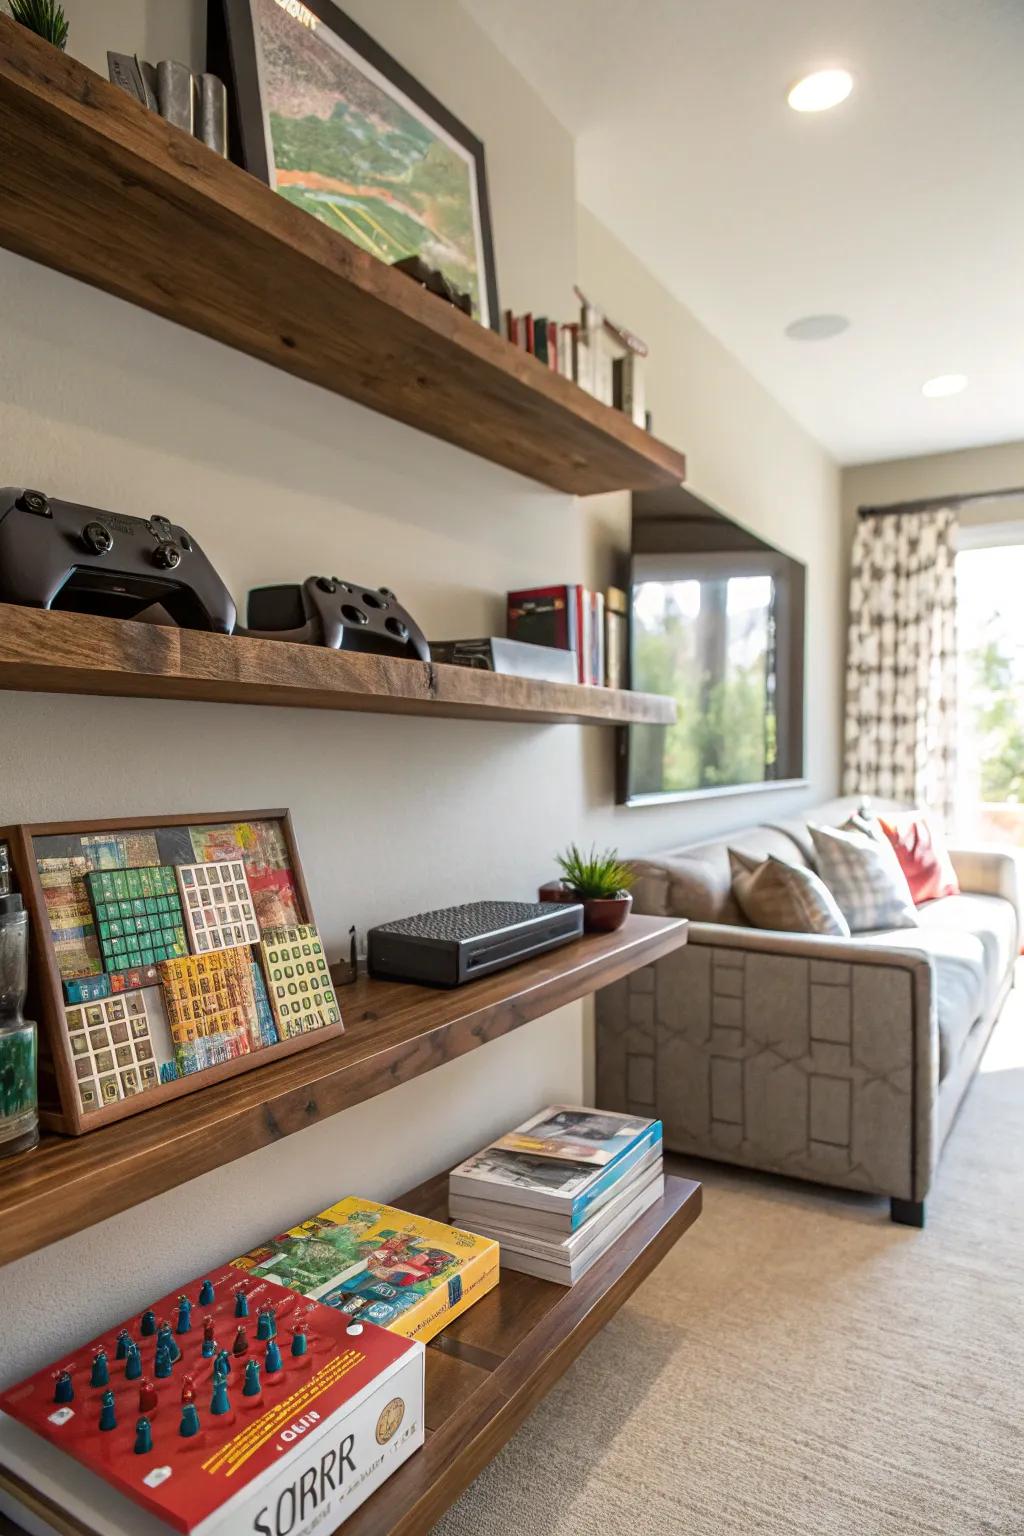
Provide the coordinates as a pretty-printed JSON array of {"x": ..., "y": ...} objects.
[
  {"x": 486, "y": 1371},
  {"x": 393, "y": 1032},
  {"x": 93, "y": 184},
  {"x": 47, "y": 652}
]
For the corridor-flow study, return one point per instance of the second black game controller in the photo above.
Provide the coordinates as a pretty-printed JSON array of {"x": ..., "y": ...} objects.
[
  {"x": 56, "y": 554},
  {"x": 344, "y": 615}
]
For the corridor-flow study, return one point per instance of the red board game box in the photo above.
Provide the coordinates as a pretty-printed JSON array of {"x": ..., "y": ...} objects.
[{"x": 234, "y": 1407}]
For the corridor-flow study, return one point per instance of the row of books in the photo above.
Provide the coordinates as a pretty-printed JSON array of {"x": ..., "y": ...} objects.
[
  {"x": 551, "y": 342},
  {"x": 557, "y": 1192},
  {"x": 571, "y": 618}
]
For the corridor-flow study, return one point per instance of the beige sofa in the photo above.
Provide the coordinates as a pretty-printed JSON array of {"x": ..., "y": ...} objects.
[{"x": 843, "y": 1061}]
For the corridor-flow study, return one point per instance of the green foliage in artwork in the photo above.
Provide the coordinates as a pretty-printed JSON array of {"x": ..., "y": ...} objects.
[{"x": 44, "y": 17}]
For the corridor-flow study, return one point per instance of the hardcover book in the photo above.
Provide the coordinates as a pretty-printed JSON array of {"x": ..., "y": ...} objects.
[
  {"x": 557, "y": 1194},
  {"x": 402, "y": 1272},
  {"x": 576, "y": 1135}
]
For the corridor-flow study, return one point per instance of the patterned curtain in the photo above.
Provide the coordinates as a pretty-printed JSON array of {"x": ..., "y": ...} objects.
[{"x": 901, "y": 661}]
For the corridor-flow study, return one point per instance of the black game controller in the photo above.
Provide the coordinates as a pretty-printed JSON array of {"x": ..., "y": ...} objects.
[
  {"x": 339, "y": 614},
  {"x": 55, "y": 554}
]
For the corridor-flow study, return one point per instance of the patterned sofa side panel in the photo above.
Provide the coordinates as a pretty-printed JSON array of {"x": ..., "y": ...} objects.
[{"x": 779, "y": 1061}]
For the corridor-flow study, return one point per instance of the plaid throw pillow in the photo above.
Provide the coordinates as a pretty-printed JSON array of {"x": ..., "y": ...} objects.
[
  {"x": 864, "y": 875},
  {"x": 786, "y": 897}
]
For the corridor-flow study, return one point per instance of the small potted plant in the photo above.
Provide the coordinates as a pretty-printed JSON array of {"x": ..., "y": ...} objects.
[
  {"x": 44, "y": 17},
  {"x": 600, "y": 881}
]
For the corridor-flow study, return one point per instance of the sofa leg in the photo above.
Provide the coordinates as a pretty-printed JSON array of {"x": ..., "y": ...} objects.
[{"x": 908, "y": 1213}]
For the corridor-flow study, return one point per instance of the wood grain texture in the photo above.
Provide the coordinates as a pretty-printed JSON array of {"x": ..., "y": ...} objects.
[
  {"x": 393, "y": 1032},
  {"x": 473, "y": 1409},
  {"x": 51, "y": 652},
  {"x": 97, "y": 187}
]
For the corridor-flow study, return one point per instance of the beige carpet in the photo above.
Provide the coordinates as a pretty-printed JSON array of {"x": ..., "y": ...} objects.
[{"x": 798, "y": 1366}]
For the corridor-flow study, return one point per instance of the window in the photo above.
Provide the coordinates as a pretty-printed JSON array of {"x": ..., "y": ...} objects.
[{"x": 990, "y": 620}]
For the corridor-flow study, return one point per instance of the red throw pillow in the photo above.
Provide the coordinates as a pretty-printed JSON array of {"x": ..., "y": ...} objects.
[{"x": 923, "y": 856}]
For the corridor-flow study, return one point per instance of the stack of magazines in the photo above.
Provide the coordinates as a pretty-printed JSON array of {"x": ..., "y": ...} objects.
[{"x": 557, "y": 1191}]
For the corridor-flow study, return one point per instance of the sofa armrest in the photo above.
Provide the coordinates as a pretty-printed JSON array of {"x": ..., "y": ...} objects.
[
  {"x": 991, "y": 872},
  {"x": 800, "y": 1054}
]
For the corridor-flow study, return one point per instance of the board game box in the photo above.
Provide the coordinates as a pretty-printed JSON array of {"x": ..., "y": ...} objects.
[
  {"x": 403, "y": 1272},
  {"x": 235, "y": 1407}
]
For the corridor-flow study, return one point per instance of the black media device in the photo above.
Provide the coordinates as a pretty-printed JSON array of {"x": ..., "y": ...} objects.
[
  {"x": 343, "y": 615},
  {"x": 457, "y": 944},
  {"x": 56, "y": 554}
]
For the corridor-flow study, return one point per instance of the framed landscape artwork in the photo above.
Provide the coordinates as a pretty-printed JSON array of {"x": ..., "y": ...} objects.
[{"x": 333, "y": 123}]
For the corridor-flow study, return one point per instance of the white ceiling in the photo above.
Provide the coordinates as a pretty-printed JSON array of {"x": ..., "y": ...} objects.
[{"x": 903, "y": 208}]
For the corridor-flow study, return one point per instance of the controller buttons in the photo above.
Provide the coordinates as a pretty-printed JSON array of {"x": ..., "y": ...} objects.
[
  {"x": 98, "y": 538},
  {"x": 34, "y": 501},
  {"x": 373, "y": 601},
  {"x": 353, "y": 615},
  {"x": 397, "y": 628},
  {"x": 186, "y": 543},
  {"x": 167, "y": 555},
  {"x": 326, "y": 583},
  {"x": 385, "y": 592}
]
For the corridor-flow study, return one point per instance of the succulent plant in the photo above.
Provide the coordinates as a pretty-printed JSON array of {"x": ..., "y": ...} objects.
[
  {"x": 45, "y": 17},
  {"x": 594, "y": 875}
]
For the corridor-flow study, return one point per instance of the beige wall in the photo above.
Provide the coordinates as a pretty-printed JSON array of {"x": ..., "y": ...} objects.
[
  {"x": 102, "y": 403},
  {"x": 939, "y": 474}
]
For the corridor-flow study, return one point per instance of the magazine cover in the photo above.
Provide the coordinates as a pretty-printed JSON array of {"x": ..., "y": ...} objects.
[
  {"x": 400, "y": 1271},
  {"x": 567, "y": 1190},
  {"x": 591, "y": 1136}
]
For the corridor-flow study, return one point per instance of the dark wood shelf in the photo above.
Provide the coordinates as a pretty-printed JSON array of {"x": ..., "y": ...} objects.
[
  {"x": 393, "y": 1033},
  {"x": 488, "y": 1369},
  {"x": 93, "y": 184},
  {"x": 46, "y": 652}
]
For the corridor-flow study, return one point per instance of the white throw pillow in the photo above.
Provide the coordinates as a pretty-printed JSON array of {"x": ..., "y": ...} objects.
[
  {"x": 864, "y": 875},
  {"x": 786, "y": 897}
]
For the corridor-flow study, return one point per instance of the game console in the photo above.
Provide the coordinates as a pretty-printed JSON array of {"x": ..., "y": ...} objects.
[
  {"x": 57, "y": 554},
  {"x": 343, "y": 615},
  {"x": 457, "y": 944}
]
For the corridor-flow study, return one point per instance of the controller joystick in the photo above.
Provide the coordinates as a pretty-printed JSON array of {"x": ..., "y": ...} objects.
[
  {"x": 347, "y": 616},
  {"x": 55, "y": 554}
]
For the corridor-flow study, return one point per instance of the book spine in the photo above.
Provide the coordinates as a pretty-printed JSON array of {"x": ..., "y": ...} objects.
[
  {"x": 212, "y": 113},
  {"x": 512, "y": 327},
  {"x": 528, "y": 332},
  {"x": 540, "y": 340},
  {"x": 176, "y": 94},
  {"x": 553, "y": 344},
  {"x": 614, "y": 1172}
]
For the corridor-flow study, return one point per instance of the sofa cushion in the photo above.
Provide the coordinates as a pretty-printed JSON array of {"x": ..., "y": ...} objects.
[
  {"x": 864, "y": 875},
  {"x": 992, "y": 920},
  {"x": 696, "y": 882},
  {"x": 787, "y": 897},
  {"x": 958, "y": 960}
]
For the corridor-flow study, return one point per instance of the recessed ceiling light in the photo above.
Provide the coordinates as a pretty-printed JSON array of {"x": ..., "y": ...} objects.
[
  {"x": 944, "y": 384},
  {"x": 825, "y": 88},
  {"x": 817, "y": 327}
]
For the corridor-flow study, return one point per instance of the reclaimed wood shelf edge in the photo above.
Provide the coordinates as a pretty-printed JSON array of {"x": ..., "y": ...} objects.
[
  {"x": 394, "y": 1032},
  {"x": 98, "y": 187},
  {"x": 53, "y": 652}
]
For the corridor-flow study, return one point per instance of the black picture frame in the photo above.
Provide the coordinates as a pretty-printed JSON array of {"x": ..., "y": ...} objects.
[{"x": 232, "y": 54}]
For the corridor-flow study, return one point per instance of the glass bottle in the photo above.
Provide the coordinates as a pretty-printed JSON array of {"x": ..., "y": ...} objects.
[{"x": 19, "y": 1124}]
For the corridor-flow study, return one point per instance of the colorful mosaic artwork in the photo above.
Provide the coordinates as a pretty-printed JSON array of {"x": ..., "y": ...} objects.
[
  {"x": 112, "y": 1047},
  {"x": 298, "y": 980}
]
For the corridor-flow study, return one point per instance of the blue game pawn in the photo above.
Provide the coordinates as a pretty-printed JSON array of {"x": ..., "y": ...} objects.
[
  {"x": 133, "y": 1365},
  {"x": 164, "y": 1363},
  {"x": 252, "y": 1379},
  {"x": 209, "y": 1348},
  {"x": 165, "y": 1340},
  {"x": 220, "y": 1403},
  {"x": 298, "y": 1342},
  {"x": 266, "y": 1326},
  {"x": 147, "y": 1326},
  {"x": 241, "y": 1304},
  {"x": 143, "y": 1438},
  {"x": 272, "y": 1359},
  {"x": 206, "y": 1294},
  {"x": 222, "y": 1366},
  {"x": 100, "y": 1369},
  {"x": 124, "y": 1338},
  {"x": 184, "y": 1323},
  {"x": 108, "y": 1414},
  {"x": 64, "y": 1388},
  {"x": 190, "y": 1420}
]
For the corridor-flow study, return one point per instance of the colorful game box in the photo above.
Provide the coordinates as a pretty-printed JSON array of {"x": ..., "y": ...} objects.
[
  {"x": 298, "y": 980},
  {"x": 210, "y": 1007},
  {"x": 403, "y": 1272},
  {"x": 234, "y": 1406}
]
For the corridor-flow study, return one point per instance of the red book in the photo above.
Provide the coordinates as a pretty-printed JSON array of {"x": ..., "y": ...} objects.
[
  {"x": 553, "y": 344},
  {"x": 528, "y": 332},
  {"x": 546, "y": 616},
  {"x": 512, "y": 327}
]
